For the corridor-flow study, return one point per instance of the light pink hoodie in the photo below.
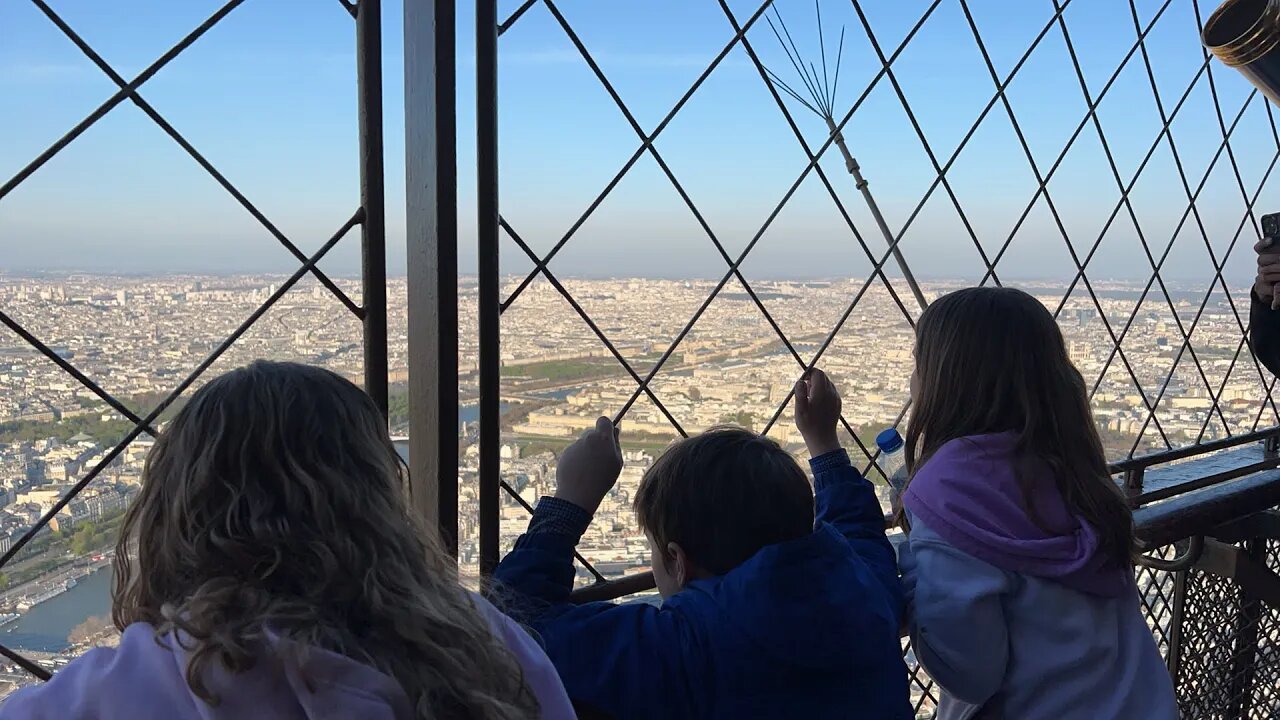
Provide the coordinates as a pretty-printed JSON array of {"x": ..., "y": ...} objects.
[{"x": 145, "y": 679}]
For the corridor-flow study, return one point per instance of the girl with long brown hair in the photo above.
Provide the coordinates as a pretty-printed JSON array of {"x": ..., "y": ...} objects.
[
  {"x": 1018, "y": 564},
  {"x": 269, "y": 568}
]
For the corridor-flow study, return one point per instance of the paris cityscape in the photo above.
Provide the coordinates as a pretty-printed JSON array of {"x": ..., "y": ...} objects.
[{"x": 138, "y": 337}]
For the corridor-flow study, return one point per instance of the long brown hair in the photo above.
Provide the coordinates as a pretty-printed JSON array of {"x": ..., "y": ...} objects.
[
  {"x": 993, "y": 360},
  {"x": 275, "y": 502}
]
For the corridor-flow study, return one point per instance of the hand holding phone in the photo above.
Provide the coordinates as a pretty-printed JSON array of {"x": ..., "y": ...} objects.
[{"x": 1268, "y": 249}]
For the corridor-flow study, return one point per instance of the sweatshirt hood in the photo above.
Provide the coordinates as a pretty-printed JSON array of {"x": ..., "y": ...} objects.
[
  {"x": 145, "y": 678},
  {"x": 291, "y": 680},
  {"x": 969, "y": 494}
]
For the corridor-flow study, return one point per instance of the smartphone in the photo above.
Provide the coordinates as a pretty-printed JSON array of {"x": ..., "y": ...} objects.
[{"x": 1271, "y": 226}]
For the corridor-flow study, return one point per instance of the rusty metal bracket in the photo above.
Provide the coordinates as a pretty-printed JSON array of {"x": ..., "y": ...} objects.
[
  {"x": 1234, "y": 563},
  {"x": 1265, "y": 524},
  {"x": 1188, "y": 558}
]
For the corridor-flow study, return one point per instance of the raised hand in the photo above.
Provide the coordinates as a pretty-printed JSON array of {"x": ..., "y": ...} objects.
[
  {"x": 1268, "y": 271},
  {"x": 817, "y": 412},
  {"x": 590, "y": 466}
]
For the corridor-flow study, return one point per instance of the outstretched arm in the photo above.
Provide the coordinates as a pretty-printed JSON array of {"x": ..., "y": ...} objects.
[
  {"x": 842, "y": 497},
  {"x": 847, "y": 501},
  {"x": 610, "y": 657},
  {"x": 536, "y": 577},
  {"x": 539, "y": 570}
]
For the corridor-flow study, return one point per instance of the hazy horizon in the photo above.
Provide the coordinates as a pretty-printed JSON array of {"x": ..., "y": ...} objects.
[
  {"x": 464, "y": 278},
  {"x": 276, "y": 113}
]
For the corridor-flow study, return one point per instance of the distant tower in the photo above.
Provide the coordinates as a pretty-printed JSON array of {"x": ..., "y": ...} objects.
[{"x": 122, "y": 298}]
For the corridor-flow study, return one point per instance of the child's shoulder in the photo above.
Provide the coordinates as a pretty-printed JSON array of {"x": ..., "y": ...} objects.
[
  {"x": 960, "y": 457},
  {"x": 103, "y": 677},
  {"x": 973, "y": 470}
]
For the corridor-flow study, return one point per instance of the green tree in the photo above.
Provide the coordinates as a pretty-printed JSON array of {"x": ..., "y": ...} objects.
[
  {"x": 742, "y": 418},
  {"x": 86, "y": 538}
]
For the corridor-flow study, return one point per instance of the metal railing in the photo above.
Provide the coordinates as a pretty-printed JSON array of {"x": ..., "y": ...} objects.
[{"x": 368, "y": 215}]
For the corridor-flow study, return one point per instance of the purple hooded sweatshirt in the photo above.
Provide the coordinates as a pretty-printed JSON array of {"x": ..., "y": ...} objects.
[
  {"x": 1019, "y": 619},
  {"x": 145, "y": 679}
]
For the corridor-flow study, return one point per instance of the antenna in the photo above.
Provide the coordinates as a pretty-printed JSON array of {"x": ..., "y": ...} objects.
[{"x": 819, "y": 97}]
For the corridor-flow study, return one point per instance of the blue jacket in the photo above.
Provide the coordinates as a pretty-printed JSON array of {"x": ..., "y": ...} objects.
[{"x": 803, "y": 629}]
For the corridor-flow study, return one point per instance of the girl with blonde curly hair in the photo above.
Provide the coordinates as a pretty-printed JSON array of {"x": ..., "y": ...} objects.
[{"x": 270, "y": 568}]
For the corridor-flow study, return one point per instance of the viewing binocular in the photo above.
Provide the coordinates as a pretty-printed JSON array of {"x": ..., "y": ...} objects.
[{"x": 1245, "y": 35}]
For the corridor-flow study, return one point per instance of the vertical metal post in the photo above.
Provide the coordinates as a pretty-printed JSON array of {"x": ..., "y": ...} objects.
[
  {"x": 1176, "y": 625},
  {"x": 431, "y": 205},
  {"x": 490, "y": 308},
  {"x": 1244, "y": 660},
  {"x": 373, "y": 230},
  {"x": 1133, "y": 479},
  {"x": 863, "y": 186}
]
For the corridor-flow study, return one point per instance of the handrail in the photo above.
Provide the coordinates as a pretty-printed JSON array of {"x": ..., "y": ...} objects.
[
  {"x": 1142, "y": 462},
  {"x": 1175, "y": 517},
  {"x": 613, "y": 589},
  {"x": 1195, "y": 513},
  {"x": 1147, "y": 486}
]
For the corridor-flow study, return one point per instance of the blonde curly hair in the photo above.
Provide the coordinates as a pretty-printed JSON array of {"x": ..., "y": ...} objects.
[{"x": 275, "y": 500}]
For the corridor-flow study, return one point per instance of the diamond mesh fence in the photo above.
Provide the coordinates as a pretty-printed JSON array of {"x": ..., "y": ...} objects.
[
  {"x": 1228, "y": 663},
  {"x": 230, "y": 337},
  {"x": 1167, "y": 358},
  {"x": 1177, "y": 152}
]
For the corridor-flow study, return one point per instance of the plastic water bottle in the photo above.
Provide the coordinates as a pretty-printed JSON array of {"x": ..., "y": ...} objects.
[
  {"x": 893, "y": 463},
  {"x": 892, "y": 460}
]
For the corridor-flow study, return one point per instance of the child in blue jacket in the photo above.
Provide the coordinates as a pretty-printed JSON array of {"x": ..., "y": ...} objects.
[{"x": 765, "y": 614}]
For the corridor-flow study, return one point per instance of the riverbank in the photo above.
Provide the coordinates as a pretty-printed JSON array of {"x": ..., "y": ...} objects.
[{"x": 47, "y": 625}]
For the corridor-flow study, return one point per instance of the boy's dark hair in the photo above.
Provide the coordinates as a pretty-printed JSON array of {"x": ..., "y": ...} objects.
[{"x": 723, "y": 496}]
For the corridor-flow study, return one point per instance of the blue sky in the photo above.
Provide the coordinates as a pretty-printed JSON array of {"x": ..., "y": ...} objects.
[{"x": 269, "y": 97}]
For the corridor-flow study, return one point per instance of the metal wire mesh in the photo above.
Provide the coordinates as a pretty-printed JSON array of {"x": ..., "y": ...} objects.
[
  {"x": 1205, "y": 597},
  {"x": 368, "y": 207},
  {"x": 1155, "y": 389},
  {"x": 1229, "y": 664}
]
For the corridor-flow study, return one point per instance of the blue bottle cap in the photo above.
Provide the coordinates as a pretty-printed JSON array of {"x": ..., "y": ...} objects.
[{"x": 889, "y": 441}]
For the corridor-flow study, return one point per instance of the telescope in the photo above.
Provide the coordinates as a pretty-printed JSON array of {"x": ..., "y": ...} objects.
[{"x": 1245, "y": 35}]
